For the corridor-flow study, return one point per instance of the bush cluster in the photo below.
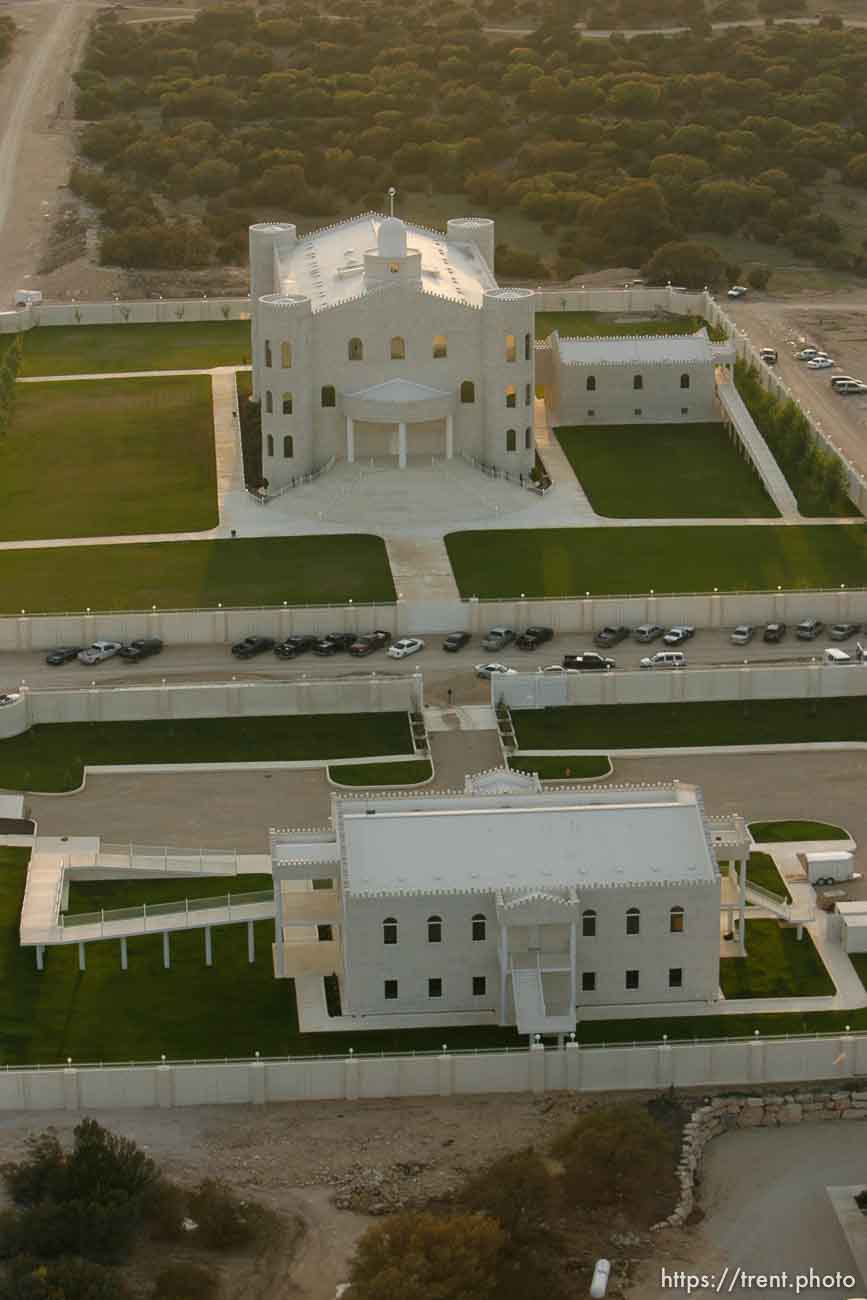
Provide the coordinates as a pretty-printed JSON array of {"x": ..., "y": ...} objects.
[{"x": 11, "y": 351}]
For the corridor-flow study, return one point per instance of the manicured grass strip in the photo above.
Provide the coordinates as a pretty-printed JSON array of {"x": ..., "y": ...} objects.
[
  {"x": 859, "y": 961},
  {"x": 601, "y": 324},
  {"x": 189, "y": 575},
  {"x": 381, "y": 774},
  {"x": 722, "y": 722},
  {"x": 577, "y": 767},
  {"x": 704, "y": 474},
  {"x": 777, "y": 965},
  {"x": 762, "y": 871},
  {"x": 93, "y": 895},
  {"x": 552, "y": 562},
  {"x": 103, "y": 349},
  {"x": 95, "y": 458},
  {"x": 787, "y": 832},
  {"x": 52, "y": 757}
]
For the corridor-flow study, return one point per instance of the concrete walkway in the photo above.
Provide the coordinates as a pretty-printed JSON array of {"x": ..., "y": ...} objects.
[
  {"x": 421, "y": 569},
  {"x": 227, "y": 437},
  {"x": 566, "y": 487},
  {"x": 758, "y": 450}
]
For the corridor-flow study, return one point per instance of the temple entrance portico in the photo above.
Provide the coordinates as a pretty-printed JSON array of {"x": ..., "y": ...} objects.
[{"x": 399, "y": 419}]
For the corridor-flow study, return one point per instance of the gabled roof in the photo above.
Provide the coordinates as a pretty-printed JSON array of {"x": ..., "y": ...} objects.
[{"x": 399, "y": 390}]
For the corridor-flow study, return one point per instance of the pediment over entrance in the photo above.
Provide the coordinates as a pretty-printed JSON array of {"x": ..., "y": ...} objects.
[
  {"x": 538, "y": 907},
  {"x": 399, "y": 400}
]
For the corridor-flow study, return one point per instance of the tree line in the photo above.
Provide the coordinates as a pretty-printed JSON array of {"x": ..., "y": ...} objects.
[{"x": 614, "y": 147}]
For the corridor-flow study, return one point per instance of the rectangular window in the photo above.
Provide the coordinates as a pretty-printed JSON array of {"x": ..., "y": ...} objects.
[
  {"x": 591, "y": 413},
  {"x": 480, "y": 985},
  {"x": 588, "y": 925},
  {"x": 588, "y": 981},
  {"x": 632, "y": 979},
  {"x": 390, "y": 990},
  {"x": 435, "y": 988},
  {"x": 324, "y": 933},
  {"x": 633, "y": 921},
  {"x": 675, "y": 977},
  {"x": 637, "y": 382},
  {"x": 637, "y": 411}
]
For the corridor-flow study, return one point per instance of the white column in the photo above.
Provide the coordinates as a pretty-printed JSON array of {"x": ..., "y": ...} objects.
[
  {"x": 504, "y": 959},
  {"x": 167, "y": 952},
  {"x": 573, "y": 964},
  {"x": 401, "y": 444},
  {"x": 350, "y": 439},
  {"x": 450, "y": 436},
  {"x": 209, "y": 950},
  {"x": 742, "y": 920},
  {"x": 251, "y": 942}
]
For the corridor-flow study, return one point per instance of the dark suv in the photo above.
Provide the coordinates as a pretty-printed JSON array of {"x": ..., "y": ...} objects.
[
  {"x": 333, "y": 643},
  {"x": 294, "y": 646},
  {"x": 142, "y": 648},
  {"x": 64, "y": 654},
  {"x": 251, "y": 646},
  {"x": 456, "y": 641},
  {"x": 611, "y": 635},
  {"x": 534, "y": 637},
  {"x": 589, "y": 661},
  {"x": 365, "y": 645},
  {"x": 774, "y": 633}
]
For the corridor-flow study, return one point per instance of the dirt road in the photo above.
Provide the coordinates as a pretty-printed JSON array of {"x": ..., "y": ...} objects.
[{"x": 36, "y": 145}]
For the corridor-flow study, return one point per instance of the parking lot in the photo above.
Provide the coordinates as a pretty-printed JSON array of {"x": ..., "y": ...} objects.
[{"x": 442, "y": 671}]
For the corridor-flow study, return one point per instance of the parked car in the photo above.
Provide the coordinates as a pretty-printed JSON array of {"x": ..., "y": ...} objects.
[
  {"x": 64, "y": 654},
  {"x": 774, "y": 632},
  {"x": 842, "y": 379},
  {"x": 11, "y": 697},
  {"x": 842, "y": 631},
  {"x": 94, "y": 654},
  {"x": 679, "y": 633},
  {"x": 333, "y": 643},
  {"x": 611, "y": 635},
  {"x": 534, "y": 637},
  {"x": 407, "y": 645},
  {"x": 738, "y": 291},
  {"x": 770, "y": 356},
  {"x": 820, "y": 363},
  {"x": 142, "y": 648},
  {"x": 647, "y": 632},
  {"x": 851, "y": 388},
  {"x": 809, "y": 629},
  {"x": 498, "y": 638},
  {"x": 456, "y": 641},
  {"x": 834, "y": 656},
  {"x": 365, "y": 645},
  {"x": 665, "y": 659},
  {"x": 743, "y": 634},
  {"x": 250, "y": 646},
  {"x": 487, "y": 671},
  {"x": 294, "y": 646},
  {"x": 558, "y": 668},
  {"x": 589, "y": 661},
  {"x": 806, "y": 354}
]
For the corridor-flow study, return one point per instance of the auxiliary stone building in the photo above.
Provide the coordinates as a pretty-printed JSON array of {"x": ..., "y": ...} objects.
[{"x": 504, "y": 904}]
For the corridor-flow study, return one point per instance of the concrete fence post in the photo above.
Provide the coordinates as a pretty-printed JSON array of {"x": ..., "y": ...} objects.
[
  {"x": 537, "y": 1067},
  {"x": 445, "y": 1074},
  {"x": 165, "y": 1085},
  {"x": 256, "y": 1081},
  {"x": 71, "y": 1089},
  {"x": 664, "y": 1066},
  {"x": 757, "y": 1064},
  {"x": 573, "y": 1066},
  {"x": 350, "y": 1077},
  {"x": 847, "y": 1053},
  {"x": 251, "y": 942}
]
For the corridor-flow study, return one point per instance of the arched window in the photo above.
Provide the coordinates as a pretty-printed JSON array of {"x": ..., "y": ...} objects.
[
  {"x": 435, "y": 929},
  {"x": 270, "y": 444},
  {"x": 389, "y": 930},
  {"x": 528, "y": 438},
  {"x": 588, "y": 924},
  {"x": 356, "y": 350},
  {"x": 511, "y": 396},
  {"x": 591, "y": 383},
  {"x": 511, "y": 440},
  {"x": 480, "y": 927},
  {"x": 528, "y": 394},
  {"x": 267, "y": 352},
  {"x": 269, "y": 402},
  {"x": 329, "y": 397},
  {"x": 468, "y": 392},
  {"x": 528, "y": 347},
  {"x": 440, "y": 347},
  {"x": 286, "y": 354},
  {"x": 684, "y": 381},
  {"x": 638, "y": 381},
  {"x": 287, "y": 403},
  {"x": 398, "y": 348},
  {"x": 288, "y": 447},
  {"x": 675, "y": 920},
  {"x": 511, "y": 348},
  {"x": 633, "y": 920}
]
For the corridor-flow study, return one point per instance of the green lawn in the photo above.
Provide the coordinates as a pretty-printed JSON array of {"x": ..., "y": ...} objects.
[
  {"x": 380, "y": 774},
  {"x": 93, "y": 895},
  {"x": 783, "y": 832},
  {"x": 601, "y": 324},
  {"x": 51, "y": 757},
  {"x": 101, "y": 349},
  {"x": 762, "y": 871},
  {"x": 91, "y": 458},
  {"x": 577, "y": 767},
  {"x": 722, "y": 722},
  {"x": 186, "y": 575},
  {"x": 859, "y": 961},
  {"x": 777, "y": 965},
  {"x": 554, "y": 562},
  {"x": 704, "y": 474}
]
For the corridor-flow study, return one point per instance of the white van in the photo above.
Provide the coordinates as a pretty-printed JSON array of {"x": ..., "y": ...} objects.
[
  {"x": 834, "y": 656},
  {"x": 665, "y": 659},
  {"x": 850, "y": 387}
]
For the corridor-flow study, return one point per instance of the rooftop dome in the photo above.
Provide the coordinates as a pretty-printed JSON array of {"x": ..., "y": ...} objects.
[{"x": 391, "y": 240}]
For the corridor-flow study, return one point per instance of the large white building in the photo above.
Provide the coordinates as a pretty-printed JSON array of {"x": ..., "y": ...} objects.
[
  {"x": 378, "y": 339},
  {"x": 505, "y": 904}
]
